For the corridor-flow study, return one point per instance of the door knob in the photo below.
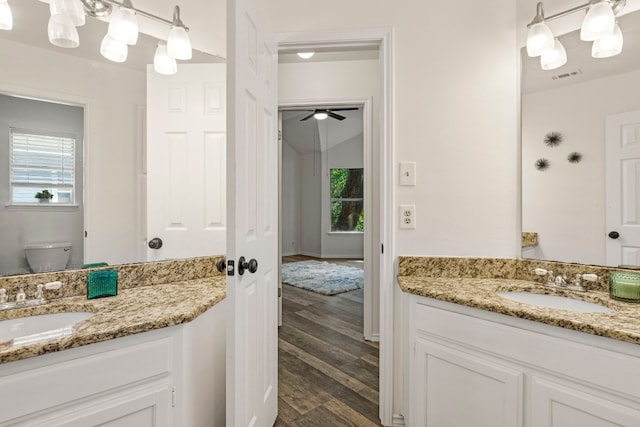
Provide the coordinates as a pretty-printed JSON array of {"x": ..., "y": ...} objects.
[
  {"x": 251, "y": 265},
  {"x": 614, "y": 234},
  {"x": 155, "y": 243}
]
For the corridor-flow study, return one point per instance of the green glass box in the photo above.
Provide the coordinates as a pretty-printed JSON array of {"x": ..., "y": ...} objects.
[{"x": 624, "y": 286}]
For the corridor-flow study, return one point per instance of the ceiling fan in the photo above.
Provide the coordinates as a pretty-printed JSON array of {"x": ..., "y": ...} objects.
[{"x": 323, "y": 113}]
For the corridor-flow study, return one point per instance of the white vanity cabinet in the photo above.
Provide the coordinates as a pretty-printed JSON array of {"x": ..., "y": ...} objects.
[
  {"x": 471, "y": 367},
  {"x": 167, "y": 377}
]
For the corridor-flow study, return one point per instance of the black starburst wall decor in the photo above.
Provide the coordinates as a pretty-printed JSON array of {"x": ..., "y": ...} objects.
[
  {"x": 542, "y": 164},
  {"x": 574, "y": 157},
  {"x": 553, "y": 139}
]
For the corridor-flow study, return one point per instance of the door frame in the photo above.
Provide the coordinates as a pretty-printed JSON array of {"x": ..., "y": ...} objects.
[
  {"x": 369, "y": 262},
  {"x": 381, "y": 38}
]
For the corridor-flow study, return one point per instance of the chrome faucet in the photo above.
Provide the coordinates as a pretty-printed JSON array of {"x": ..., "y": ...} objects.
[{"x": 21, "y": 297}]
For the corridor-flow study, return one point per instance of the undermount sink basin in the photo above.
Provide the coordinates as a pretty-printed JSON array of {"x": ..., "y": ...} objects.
[
  {"x": 26, "y": 330},
  {"x": 555, "y": 301}
]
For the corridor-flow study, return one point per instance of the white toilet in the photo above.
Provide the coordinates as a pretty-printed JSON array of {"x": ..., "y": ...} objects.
[{"x": 44, "y": 257}]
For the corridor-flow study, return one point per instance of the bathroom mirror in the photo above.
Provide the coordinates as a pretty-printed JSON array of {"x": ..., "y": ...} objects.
[
  {"x": 564, "y": 116},
  {"x": 113, "y": 97}
]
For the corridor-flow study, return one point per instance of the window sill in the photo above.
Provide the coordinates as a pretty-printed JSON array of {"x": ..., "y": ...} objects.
[
  {"x": 42, "y": 207},
  {"x": 348, "y": 233}
]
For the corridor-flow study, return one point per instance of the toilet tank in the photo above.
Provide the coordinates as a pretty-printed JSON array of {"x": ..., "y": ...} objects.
[{"x": 45, "y": 257}]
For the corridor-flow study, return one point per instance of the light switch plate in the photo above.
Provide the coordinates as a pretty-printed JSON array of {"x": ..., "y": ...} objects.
[
  {"x": 408, "y": 216},
  {"x": 408, "y": 173}
]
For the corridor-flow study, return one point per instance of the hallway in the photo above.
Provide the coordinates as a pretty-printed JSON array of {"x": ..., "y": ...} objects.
[{"x": 328, "y": 375}]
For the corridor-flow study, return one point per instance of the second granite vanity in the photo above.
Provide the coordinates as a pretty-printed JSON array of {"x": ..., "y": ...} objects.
[
  {"x": 477, "y": 358},
  {"x": 156, "y": 351}
]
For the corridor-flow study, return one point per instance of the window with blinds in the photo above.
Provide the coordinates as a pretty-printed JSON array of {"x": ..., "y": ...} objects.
[{"x": 42, "y": 161}]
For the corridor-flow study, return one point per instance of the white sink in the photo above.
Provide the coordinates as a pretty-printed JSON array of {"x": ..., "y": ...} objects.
[
  {"x": 27, "y": 330},
  {"x": 555, "y": 301}
]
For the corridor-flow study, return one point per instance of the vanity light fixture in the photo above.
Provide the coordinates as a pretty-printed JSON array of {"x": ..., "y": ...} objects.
[
  {"x": 162, "y": 62},
  {"x": 598, "y": 26},
  {"x": 306, "y": 55},
  {"x": 178, "y": 43},
  {"x": 123, "y": 25},
  {"x": 6, "y": 17}
]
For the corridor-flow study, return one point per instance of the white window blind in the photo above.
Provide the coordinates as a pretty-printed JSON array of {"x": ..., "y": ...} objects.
[{"x": 39, "y": 161}]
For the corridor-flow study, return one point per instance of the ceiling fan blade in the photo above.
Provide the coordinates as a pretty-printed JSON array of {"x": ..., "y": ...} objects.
[
  {"x": 335, "y": 116},
  {"x": 344, "y": 109},
  {"x": 307, "y": 117}
]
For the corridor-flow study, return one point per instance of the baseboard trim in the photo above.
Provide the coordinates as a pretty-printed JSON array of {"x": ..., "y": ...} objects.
[
  {"x": 375, "y": 337},
  {"x": 310, "y": 254},
  {"x": 398, "y": 420}
]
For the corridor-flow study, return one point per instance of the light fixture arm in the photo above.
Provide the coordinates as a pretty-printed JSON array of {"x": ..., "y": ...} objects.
[
  {"x": 102, "y": 8},
  {"x": 616, "y": 5}
]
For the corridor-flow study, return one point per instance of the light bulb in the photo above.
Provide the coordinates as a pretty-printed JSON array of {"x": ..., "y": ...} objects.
[
  {"x": 62, "y": 32},
  {"x": 539, "y": 39},
  {"x": 162, "y": 62},
  {"x": 321, "y": 115},
  {"x": 305, "y": 55},
  {"x": 599, "y": 21},
  {"x": 71, "y": 8},
  {"x": 609, "y": 45},
  {"x": 554, "y": 58},
  {"x": 114, "y": 50},
  {"x": 123, "y": 25},
  {"x": 6, "y": 17}
]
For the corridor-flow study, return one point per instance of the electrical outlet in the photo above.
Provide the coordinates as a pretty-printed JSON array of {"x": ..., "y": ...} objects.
[{"x": 408, "y": 216}]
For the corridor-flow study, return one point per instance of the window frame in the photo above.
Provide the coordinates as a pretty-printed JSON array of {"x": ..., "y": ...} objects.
[{"x": 344, "y": 199}]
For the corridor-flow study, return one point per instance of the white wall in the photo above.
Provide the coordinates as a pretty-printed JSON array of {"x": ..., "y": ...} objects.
[
  {"x": 290, "y": 197},
  {"x": 112, "y": 95},
  {"x": 565, "y": 204},
  {"x": 310, "y": 205}
]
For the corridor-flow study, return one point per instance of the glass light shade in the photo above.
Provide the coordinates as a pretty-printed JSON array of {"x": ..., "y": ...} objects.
[
  {"x": 539, "y": 39},
  {"x": 114, "y": 50},
  {"x": 123, "y": 25},
  {"x": 62, "y": 32},
  {"x": 162, "y": 62},
  {"x": 72, "y": 8},
  {"x": 599, "y": 22},
  {"x": 6, "y": 17},
  {"x": 320, "y": 116},
  {"x": 554, "y": 58},
  {"x": 178, "y": 43},
  {"x": 305, "y": 55},
  {"x": 609, "y": 45}
]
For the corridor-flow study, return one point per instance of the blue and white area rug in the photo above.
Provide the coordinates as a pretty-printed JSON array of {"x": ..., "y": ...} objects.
[{"x": 322, "y": 277}]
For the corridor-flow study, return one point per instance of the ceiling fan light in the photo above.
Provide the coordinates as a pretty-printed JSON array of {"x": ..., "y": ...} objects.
[
  {"x": 62, "y": 32},
  {"x": 554, "y": 58},
  {"x": 306, "y": 55},
  {"x": 71, "y": 8},
  {"x": 123, "y": 25},
  {"x": 598, "y": 22},
  {"x": 114, "y": 50},
  {"x": 6, "y": 17},
  {"x": 320, "y": 115},
  {"x": 607, "y": 46},
  {"x": 162, "y": 62}
]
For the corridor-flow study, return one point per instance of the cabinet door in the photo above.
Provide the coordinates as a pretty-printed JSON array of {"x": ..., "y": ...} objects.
[
  {"x": 556, "y": 405},
  {"x": 451, "y": 388}
]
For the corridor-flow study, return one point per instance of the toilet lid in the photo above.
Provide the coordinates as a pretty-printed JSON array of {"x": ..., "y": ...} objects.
[{"x": 48, "y": 245}]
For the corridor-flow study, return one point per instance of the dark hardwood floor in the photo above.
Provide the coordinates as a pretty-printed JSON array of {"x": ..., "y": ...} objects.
[{"x": 328, "y": 374}]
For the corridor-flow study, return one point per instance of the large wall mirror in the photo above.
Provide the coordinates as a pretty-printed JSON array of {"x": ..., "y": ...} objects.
[
  {"x": 580, "y": 164},
  {"x": 106, "y": 221}
]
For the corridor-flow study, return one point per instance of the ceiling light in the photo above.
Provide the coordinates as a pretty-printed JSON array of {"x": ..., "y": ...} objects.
[
  {"x": 609, "y": 45},
  {"x": 554, "y": 58},
  {"x": 178, "y": 43},
  {"x": 305, "y": 55},
  {"x": 162, "y": 62},
  {"x": 123, "y": 25},
  {"x": 72, "y": 8},
  {"x": 114, "y": 50},
  {"x": 320, "y": 115},
  {"x": 539, "y": 37},
  {"x": 599, "y": 21},
  {"x": 62, "y": 32},
  {"x": 6, "y": 17}
]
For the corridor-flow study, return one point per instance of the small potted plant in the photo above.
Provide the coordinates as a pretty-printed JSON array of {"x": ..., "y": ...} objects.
[{"x": 44, "y": 196}]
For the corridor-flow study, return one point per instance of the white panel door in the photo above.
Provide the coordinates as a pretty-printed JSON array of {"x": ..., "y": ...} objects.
[
  {"x": 186, "y": 161},
  {"x": 252, "y": 211},
  {"x": 623, "y": 188}
]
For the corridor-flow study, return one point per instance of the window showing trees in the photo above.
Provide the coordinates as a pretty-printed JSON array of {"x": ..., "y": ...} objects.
[
  {"x": 42, "y": 167},
  {"x": 347, "y": 199}
]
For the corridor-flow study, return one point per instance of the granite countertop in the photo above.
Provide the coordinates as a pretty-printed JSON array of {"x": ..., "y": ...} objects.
[
  {"x": 132, "y": 311},
  {"x": 623, "y": 323}
]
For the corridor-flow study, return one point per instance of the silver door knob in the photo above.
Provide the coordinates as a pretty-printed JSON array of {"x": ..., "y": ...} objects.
[{"x": 155, "y": 243}]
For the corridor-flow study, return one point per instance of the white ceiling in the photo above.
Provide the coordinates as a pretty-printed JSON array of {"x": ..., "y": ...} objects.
[
  {"x": 318, "y": 135},
  {"x": 30, "y": 18}
]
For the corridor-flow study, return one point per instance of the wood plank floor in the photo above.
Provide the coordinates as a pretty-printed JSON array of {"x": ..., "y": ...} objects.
[{"x": 328, "y": 374}]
